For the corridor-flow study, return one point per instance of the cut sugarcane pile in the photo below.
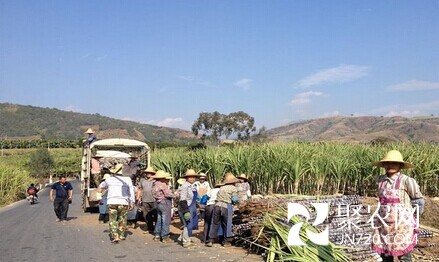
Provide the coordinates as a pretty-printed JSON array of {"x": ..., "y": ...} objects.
[
  {"x": 251, "y": 229},
  {"x": 250, "y": 223}
]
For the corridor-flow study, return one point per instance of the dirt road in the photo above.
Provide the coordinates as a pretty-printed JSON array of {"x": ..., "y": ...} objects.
[{"x": 30, "y": 233}]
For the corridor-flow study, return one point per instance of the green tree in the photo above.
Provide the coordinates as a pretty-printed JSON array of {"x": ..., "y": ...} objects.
[
  {"x": 214, "y": 125},
  {"x": 41, "y": 163}
]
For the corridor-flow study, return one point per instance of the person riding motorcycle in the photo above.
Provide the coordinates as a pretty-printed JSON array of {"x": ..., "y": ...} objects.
[{"x": 32, "y": 190}]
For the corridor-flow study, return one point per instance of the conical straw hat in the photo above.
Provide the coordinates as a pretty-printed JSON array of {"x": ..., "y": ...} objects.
[
  {"x": 243, "y": 176},
  {"x": 190, "y": 173},
  {"x": 230, "y": 179},
  {"x": 117, "y": 169},
  {"x": 181, "y": 181},
  {"x": 160, "y": 174},
  {"x": 149, "y": 170},
  {"x": 89, "y": 131},
  {"x": 393, "y": 156}
]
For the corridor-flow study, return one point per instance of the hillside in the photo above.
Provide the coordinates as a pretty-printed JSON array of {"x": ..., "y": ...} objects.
[
  {"x": 31, "y": 122},
  {"x": 360, "y": 129}
]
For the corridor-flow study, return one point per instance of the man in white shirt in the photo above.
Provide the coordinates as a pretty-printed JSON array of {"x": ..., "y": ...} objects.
[{"x": 120, "y": 199}]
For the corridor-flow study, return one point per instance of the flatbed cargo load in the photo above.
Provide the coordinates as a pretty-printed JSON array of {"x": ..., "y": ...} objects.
[{"x": 102, "y": 155}]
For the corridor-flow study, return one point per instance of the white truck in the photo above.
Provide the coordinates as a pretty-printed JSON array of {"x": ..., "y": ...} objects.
[{"x": 107, "y": 152}]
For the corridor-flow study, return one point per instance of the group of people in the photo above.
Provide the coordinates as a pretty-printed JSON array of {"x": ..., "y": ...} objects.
[{"x": 194, "y": 199}]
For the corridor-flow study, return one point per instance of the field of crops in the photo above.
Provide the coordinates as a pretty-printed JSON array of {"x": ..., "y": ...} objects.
[
  {"x": 15, "y": 176},
  {"x": 304, "y": 168},
  {"x": 295, "y": 168}
]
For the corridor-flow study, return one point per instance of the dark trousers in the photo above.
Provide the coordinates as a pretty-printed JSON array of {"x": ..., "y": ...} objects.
[
  {"x": 220, "y": 217},
  {"x": 406, "y": 258},
  {"x": 61, "y": 207},
  {"x": 208, "y": 214},
  {"x": 149, "y": 214}
]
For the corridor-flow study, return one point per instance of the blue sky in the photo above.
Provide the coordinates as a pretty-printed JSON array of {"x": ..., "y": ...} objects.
[{"x": 164, "y": 62}]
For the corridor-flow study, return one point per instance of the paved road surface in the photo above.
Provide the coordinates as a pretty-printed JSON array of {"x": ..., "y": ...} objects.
[{"x": 30, "y": 233}]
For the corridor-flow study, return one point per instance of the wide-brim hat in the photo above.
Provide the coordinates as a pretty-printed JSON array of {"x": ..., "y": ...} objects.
[
  {"x": 230, "y": 179},
  {"x": 190, "y": 173},
  {"x": 243, "y": 176},
  {"x": 181, "y": 181},
  {"x": 393, "y": 156},
  {"x": 89, "y": 131},
  {"x": 116, "y": 169},
  {"x": 161, "y": 174},
  {"x": 106, "y": 176},
  {"x": 149, "y": 170},
  {"x": 202, "y": 175}
]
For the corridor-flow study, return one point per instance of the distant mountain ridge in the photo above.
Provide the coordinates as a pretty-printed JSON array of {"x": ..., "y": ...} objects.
[
  {"x": 23, "y": 121},
  {"x": 362, "y": 129}
]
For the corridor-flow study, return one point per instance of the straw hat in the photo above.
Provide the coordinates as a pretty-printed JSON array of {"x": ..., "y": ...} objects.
[
  {"x": 160, "y": 174},
  {"x": 89, "y": 131},
  {"x": 117, "y": 169},
  {"x": 181, "y": 181},
  {"x": 243, "y": 176},
  {"x": 393, "y": 156},
  {"x": 169, "y": 176},
  {"x": 203, "y": 175},
  {"x": 149, "y": 170},
  {"x": 219, "y": 185},
  {"x": 106, "y": 176},
  {"x": 190, "y": 173},
  {"x": 230, "y": 179}
]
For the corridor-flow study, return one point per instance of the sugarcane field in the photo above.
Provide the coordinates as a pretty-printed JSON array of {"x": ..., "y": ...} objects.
[{"x": 281, "y": 175}]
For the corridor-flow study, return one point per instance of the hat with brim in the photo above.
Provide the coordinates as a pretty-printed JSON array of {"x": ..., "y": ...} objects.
[
  {"x": 160, "y": 175},
  {"x": 117, "y": 169},
  {"x": 243, "y": 176},
  {"x": 203, "y": 176},
  {"x": 149, "y": 170},
  {"x": 106, "y": 176},
  {"x": 181, "y": 181},
  {"x": 219, "y": 185},
  {"x": 190, "y": 173},
  {"x": 393, "y": 156},
  {"x": 230, "y": 179},
  {"x": 89, "y": 131}
]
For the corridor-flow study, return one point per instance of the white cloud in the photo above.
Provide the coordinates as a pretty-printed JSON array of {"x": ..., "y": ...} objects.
[
  {"x": 414, "y": 85},
  {"x": 340, "y": 74},
  {"x": 304, "y": 98},
  {"x": 187, "y": 78},
  {"x": 331, "y": 114},
  {"x": 421, "y": 109},
  {"x": 167, "y": 122},
  {"x": 72, "y": 109},
  {"x": 100, "y": 58},
  {"x": 198, "y": 81},
  {"x": 243, "y": 83}
]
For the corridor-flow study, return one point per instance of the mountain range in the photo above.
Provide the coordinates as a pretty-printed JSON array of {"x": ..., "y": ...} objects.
[
  {"x": 30, "y": 122},
  {"x": 363, "y": 129}
]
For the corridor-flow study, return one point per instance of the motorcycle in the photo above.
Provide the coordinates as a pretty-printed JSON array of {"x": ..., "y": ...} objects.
[{"x": 32, "y": 199}]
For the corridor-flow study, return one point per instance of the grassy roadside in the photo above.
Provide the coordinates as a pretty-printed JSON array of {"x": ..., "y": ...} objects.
[{"x": 15, "y": 177}]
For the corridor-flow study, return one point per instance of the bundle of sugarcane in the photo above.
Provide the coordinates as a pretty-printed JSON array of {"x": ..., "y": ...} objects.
[{"x": 258, "y": 222}]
